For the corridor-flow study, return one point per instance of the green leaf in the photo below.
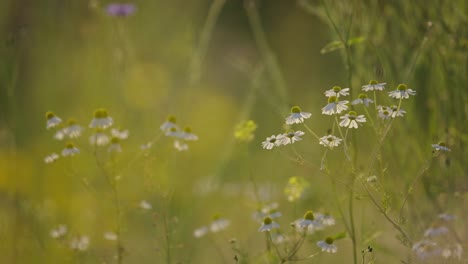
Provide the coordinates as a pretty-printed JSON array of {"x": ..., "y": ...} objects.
[{"x": 336, "y": 45}]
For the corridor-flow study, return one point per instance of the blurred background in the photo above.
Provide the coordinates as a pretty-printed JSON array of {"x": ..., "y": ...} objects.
[{"x": 214, "y": 64}]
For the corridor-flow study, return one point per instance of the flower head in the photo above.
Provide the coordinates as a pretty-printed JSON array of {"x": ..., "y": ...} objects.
[
  {"x": 308, "y": 223},
  {"x": 120, "y": 134},
  {"x": 426, "y": 249},
  {"x": 70, "y": 150},
  {"x": 330, "y": 141},
  {"x": 199, "y": 232},
  {"x": 219, "y": 224},
  {"x": 101, "y": 119},
  {"x": 352, "y": 120},
  {"x": 327, "y": 245},
  {"x": 362, "y": 99},
  {"x": 187, "y": 134},
  {"x": 402, "y": 92},
  {"x": 334, "y": 106},
  {"x": 374, "y": 86},
  {"x": 268, "y": 224},
  {"x": 440, "y": 147},
  {"x": 297, "y": 116},
  {"x": 115, "y": 145},
  {"x": 59, "y": 232},
  {"x": 436, "y": 231},
  {"x": 79, "y": 243},
  {"x": 120, "y": 10},
  {"x": 270, "y": 142},
  {"x": 397, "y": 112},
  {"x": 384, "y": 112},
  {"x": 145, "y": 205},
  {"x": 73, "y": 130},
  {"x": 99, "y": 138},
  {"x": 180, "y": 146},
  {"x": 337, "y": 91},
  {"x": 291, "y": 137},
  {"x": 52, "y": 120},
  {"x": 51, "y": 158},
  {"x": 169, "y": 124}
]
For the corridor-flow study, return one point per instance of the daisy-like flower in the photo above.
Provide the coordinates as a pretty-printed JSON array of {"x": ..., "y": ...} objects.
[
  {"x": 374, "y": 86},
  {"x": 325, "y": 219},
  {"x": 101, "y": 119},
  {"x": 60, "y": 134},
  {"x": 59, "y": 232},
  {"x": 297, "y": 116},
  {"x": 219, "y": 224},
  {"x": 199, "y": 232},
  {"x": 187, "y": 134},
  {"x": 402, "y": 92},
  {"x": 79, "y": 243},
  {"x": 426, "y": 249},
  {"x": 169, "y": 124},
  {"x": 384, "y": 112},
  {"x": 327, "y": 245},
  {"x": 115, "y": 145},
  {"x": 272, "y": 141},
  {"x": 268, "y": 225},
  {"x": 99, "y": 139},
  {"x": 270, "y": 210},
  {"x": 362, "y": 99},
  {"x": 180, "y": 146},
  {"x": 447, "y": 217},
  {"x": 352, "y": 120},
  {"x": 308, "y": 223},
  {"x": 337, "y": 91},
  {"x": 120, "y": 134},
  {"x": 73, "y": 130},
  {"x": 110, "y": 236},
  {"x": 70, "y": 150},
  {"x": 173, "y": 132},
  {"x": 291, "y": 137},
  {"x": 52, "y": 120},
  {"x": 397, "y": 112},
  {"x": 440, "y": 146},
  {"x": 436, "y": 231},
  {"x": 51, "y": 158},
  {"x": 330, "y": 141},
  {"x": 145, "y": 205},
  {"x": 334, "y": 106}
]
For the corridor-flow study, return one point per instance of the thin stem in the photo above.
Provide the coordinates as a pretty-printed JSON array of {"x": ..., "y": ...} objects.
[{"x": 268, "y": 234}]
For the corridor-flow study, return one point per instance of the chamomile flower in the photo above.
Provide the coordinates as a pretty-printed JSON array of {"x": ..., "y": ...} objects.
[
  {"x": 327, "y": 245},
  {"x": 334, "y": 106},
  {"x": 270, "y": 210},
  {"x": 362, "y": 99},
  {"x": 60, "y": 134},
  {"x": 291, "y": 137},
  {"x": 426, "y": 249},
  {"x": 268, "y": 225},
  {"x": 169, "y": 124},
  {"x": 201, "y": 231},
  {"x": 59, "y": 232},
  {"x": 180, "y": 146},
  {"x": 374, "y": 86},
  {"x": 115, "y": 145},
  {"x": 99, "y": 139},
  {"x": 51, "y": 158},
  {"x": 79, "y": 243},
  {"x": 145, "y": 205},
  {"x": 111, "y": 236},
  {"x": 337, "y": 91},
  {"x": 397, "y": 112},
  {"x": 120, "y": 134},
  {"x": 70, "y": 150},
  {"x": 173, "y": 132},
  {"x": 73, "y": 130},
  {"x": 352, "y": 120},
  {"x": 273, "y": 141},
  {"x": 297, "y": 116},
  {"x": 52, "y": 120},
  {"x": 402, "y": 92},
  {"x": 308, "y": 223},
  {"x": 101, "y": 119},
  {"x": 330, "y": 141},
  {"x": 219, "y": 224},
  {"x": 384, "y": 112},
  {"x": 436, "y": 231},
  {"x": 325, "y": 219},
  {"x": 440, "y": 146},
  {"x": 187, "y": 134}
]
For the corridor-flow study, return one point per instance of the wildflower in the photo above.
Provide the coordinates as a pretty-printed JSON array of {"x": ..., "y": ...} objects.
[
  {"x": 363, "y": 99},
  {"x": 440, "y": 146},
  {"x": 120, "y": 10},
  {"x": 101, "y": 119},
  {"x": 291, "y": 137},
  {"x": 374, "y": 86},
  {"x": 454, "y": 251},
  {"x": 267, "y": 225},
  {"x": 297, "y": 116},
  {"x": 325, "y": 219},
  {"x": 219, "y": 224},
  {"x": 99, "y": 139},
  {"x": 180, "y": 146},
  {"x": 308, "y": 222},
  {"x": 426, "y": 249},
  {"x": 402, "y": 92},
  {"x": 115, "y": 145},
  {"x": 245, "y": 131},
  {"x": 447, "y": 217},
  {"x": 110, "y": 236},
  {"x": 60, "y": 134},
  {"x": 337, "y": 91},
  {"x": 51, "y": 158},
  {"x": 384, "y": 112},
  {"x": 169, "y": 124},
  {"x": 52, "y": 120},
  {"x": 73, "y": 130},
  {"x": 295, "y": 188},
  {"x": 199, "y": 232},
  {"x": 397, "y": 112},
  {"x": 270, "y": 210},
  {"x": 59, "y": 232},
  {"x": 272, "y": 141},
  {"x": 327, "y": 245},
  {"x": 145, "y": 205},
  {"x": 120, "y": 134},
  {"x": 187, "y": 134},
  {"x": 352, "y": 120},
  {"x": 330, "y": 141},
  {"x": 372, "y": 179},
  {"x": 334, "y": 106},
  {"x": 79, "y": 243},
  {"x": 70, "y": 150},
  {"x": 435, "y": 231}
]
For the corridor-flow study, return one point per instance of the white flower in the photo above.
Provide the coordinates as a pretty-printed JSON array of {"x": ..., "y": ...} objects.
[
  {"x": 435, "y": 231},
  {"x": 99, "y": 139},
  {"x": 145, "y": 205},
  {"x": 70, "y": 150},
  {"x": 51, "y": 158},
  {"x": 60, "y": 134},
  {"x": 454, "y": 251},
  {"x": 352, "y": 120},
  {"x": 325, "y": 219},
  {"x": 272, "y": 141},
  {"x": 308, "y": 223},
  {"x": 384, "y": 112},
  {"x": 397, "y": 112},
  {"x": 440, "y": 146},
  {"x": 402, "y": 92},
  {"x": 362, "y": 100},
  {"x": 72, "y": 130},
  {"x": 268, "y": 225},
  {"x": 334, "y": 106},
  {"x": 327, "y": 245},
  {"x": 270, "y": 211},
  {"x": 219, "y": 224},
  {"x": 330, "y": 141},
  {"x": 52, "y": 120},
  {"x": 374, "y": 86},
  {"x": 120, "y": 134},
  {"x": 187, "y": 134},
  {"x": 337, "y": 91},
  {"x": 199, "y": 232},
  {"x": 426, "y": 249},
  {"x": 110, "y": 236},
  {"x": 169, "y": 124},
  {"x": 180, "y": 146},
  {"x": 115, "y": 145},
  {"x": 297, "y": 116},
  {"x": 173, "y": 132},
  {"x": 447, "y": 217},
  {"x": 59, "y": 232},
  {"x": 79, "y": 243},
  {"x": 101, "y": 119},
  {"x": 291, "y": 137}
]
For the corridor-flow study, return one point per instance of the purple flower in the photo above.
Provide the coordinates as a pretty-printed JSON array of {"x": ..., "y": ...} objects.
[{"x": 120, "y": 10}]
